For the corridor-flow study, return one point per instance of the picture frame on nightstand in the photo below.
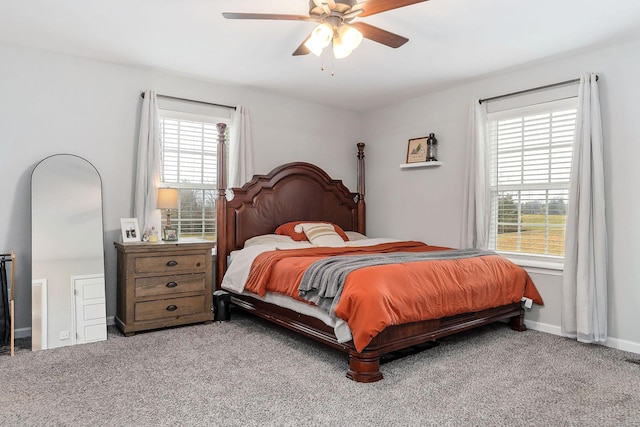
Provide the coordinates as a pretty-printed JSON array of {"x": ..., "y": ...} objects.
[
  {"x": 130, "y": 230},
  {"x": 169, "y": 234}
]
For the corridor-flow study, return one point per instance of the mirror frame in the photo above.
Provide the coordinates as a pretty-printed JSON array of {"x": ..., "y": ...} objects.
[{"x": 86, "y": 282}]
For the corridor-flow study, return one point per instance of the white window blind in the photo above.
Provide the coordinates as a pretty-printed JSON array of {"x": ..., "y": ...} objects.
[
  {"x": 190, "y": 164},
  {"x": 530, "y": 167}
]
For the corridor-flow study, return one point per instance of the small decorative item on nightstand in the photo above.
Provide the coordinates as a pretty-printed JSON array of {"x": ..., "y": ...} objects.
[
  {"x": 432, "y": 148},
  {"x": 170, "y": 234},
  {"x": 130, "y": 229}
]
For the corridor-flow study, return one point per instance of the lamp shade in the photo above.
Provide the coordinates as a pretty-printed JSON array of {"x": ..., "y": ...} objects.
[
  {"x": 320, "y": 38},
  {"x": 340, "y": 50},
  {"x": 350, "y": 37},
  {"x": 322, "y": 34},
  {"x": 314, "y": 47},
  {"x": 167, "y": 198}
]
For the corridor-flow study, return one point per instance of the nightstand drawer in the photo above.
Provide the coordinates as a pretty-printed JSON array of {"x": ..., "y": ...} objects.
[
  {"x": 169, "y": 263},
  {"x": 169, "y": 285},
  {"x": 168, "y": 308}
]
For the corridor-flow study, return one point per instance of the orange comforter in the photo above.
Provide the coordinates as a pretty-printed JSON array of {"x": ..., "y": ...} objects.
[{"x": 376, "y": 297}]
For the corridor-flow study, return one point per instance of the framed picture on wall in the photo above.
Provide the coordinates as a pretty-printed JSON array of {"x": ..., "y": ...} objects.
[
  {"x": 130, "y": 230},
  {"x": 417, "y": 150}
]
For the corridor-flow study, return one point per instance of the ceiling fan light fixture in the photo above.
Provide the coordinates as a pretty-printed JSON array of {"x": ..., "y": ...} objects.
[
  {"x": 313, "y": 47},
  {"x": 332, "y": 18},
  {"x": 322, "y": 35},
  {"x": 350, "y": 36},
  {"x": 340, "y": 49}
]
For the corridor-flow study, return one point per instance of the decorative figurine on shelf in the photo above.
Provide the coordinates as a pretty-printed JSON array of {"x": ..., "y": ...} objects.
[{"x": 432, "y": 148}]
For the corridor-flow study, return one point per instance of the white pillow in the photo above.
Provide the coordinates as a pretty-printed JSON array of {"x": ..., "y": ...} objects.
[
  {"x": 267, "y": 239},
  {"x": 321, "y": 234},
  {"x": 354, "y": 235}
]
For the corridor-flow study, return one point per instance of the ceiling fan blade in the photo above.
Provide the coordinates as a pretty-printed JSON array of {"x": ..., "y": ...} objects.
[
  {"x": 379, "y": 35},
  {"x": 302, "y": 49},
  {"x": 273, "y": 16},
  {"x": 371, "y": 7}
]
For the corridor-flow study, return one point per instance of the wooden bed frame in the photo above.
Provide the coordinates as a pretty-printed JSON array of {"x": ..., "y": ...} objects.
[{"x": 302, "y": 191}]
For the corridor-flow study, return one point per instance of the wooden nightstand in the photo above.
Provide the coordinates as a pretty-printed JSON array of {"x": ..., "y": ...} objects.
[{"x": 163, "y": 284}]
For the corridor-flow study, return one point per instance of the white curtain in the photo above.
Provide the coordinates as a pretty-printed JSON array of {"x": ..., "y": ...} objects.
[
  {"x": 584, "y": 285},
  {"x": 476, "y": 212},
  {"x": 240, "y": 149},
  {"x": 148, "y": 165}
]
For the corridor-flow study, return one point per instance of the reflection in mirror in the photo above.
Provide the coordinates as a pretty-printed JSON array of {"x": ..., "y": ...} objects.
[{"x": 68, "y": 293}]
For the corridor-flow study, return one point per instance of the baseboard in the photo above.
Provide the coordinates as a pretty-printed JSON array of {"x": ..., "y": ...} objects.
[
  {"x": 543, "y": 327},
  {"x": 26, "y": 332},
  {"x": 624, "y": 345},
  {"x": 616, "y": 343}
]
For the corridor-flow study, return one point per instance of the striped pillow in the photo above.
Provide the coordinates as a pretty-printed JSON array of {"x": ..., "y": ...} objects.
[
  {"x": 322, "y": 234},
  {"x": 293, "y": 230}
]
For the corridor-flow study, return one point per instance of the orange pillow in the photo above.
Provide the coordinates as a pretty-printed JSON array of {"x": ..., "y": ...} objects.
[{"x": 288, "y": 230}]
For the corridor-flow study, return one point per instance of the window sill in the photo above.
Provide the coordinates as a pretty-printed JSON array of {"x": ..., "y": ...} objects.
[{"x": 537, "y": 265}]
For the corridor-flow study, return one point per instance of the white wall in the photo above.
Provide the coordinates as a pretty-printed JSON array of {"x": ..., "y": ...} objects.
[
  {"x": 426, "y": 204},
  {"x": 52, "y": 103}
]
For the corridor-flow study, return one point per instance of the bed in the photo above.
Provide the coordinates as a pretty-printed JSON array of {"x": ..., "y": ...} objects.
[{"x": 303, "y": 192}]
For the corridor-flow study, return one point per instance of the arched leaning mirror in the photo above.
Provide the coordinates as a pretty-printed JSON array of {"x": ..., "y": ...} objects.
[{"x": 68, "y": 286}]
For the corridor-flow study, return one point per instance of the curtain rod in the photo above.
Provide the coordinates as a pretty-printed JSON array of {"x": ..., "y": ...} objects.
[
  {"x": 175, "y": 98},
  {"x": 530, "y": 90}
]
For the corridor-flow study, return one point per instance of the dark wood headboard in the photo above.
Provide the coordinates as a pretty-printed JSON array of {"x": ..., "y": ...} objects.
[{"x": 291, "y": 192}]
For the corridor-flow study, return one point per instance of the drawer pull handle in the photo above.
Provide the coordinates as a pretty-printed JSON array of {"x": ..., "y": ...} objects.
[
  {"x": 172, "y": 263},
  {"x": 171, "y": 285},
  {"x": 198, "y": 264},
  {"x": 172, "y": 307}
]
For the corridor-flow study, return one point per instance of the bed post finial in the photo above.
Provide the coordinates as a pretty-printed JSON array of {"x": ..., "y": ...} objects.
[
  {"x": 362, "y": 228},
  {"x": 221, "y": 205}
]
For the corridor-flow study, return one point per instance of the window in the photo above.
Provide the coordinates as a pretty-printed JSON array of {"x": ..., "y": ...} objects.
[
  {"x": 190, "y": 164},
  {"x": 530, "y": 167}
]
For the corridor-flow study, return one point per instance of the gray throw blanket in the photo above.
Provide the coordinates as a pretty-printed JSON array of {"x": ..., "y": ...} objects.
[{"x": 322, "y": 283}]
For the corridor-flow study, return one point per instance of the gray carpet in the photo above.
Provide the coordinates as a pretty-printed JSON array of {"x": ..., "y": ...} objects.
[{"x": 247, "y": 372}]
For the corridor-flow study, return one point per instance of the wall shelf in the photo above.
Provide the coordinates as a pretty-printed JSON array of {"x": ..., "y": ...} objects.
[{"x": 420, "y": 165}]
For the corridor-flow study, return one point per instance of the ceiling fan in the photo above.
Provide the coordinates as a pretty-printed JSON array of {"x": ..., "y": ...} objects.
[{"x": 335, "y": 26}]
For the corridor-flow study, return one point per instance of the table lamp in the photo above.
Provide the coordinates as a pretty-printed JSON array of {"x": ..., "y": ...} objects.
[{"x": 168, "y": 199}]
